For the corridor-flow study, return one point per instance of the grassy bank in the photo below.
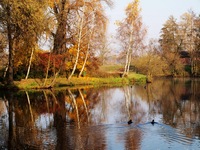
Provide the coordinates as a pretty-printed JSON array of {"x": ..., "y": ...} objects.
[{"x": 63, "y": 82}]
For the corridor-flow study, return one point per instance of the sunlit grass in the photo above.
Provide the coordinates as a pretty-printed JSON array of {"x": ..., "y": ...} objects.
[
  {"x": 109, "y": 75},
  {"x": 137, "y": 77},
  {"x": 74, "y": 81}
]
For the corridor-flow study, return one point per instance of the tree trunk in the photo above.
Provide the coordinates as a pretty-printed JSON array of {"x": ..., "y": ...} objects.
[
  {"x": 79, "y": 45},
  {"x": 87, "y": 54},
  {"x": 5, "y": 71},
  {"x": 54, "y": 79},
  {"x": 10, "y": 48},
  {"x": 129, "y": 62},
  {"x": 60, "y": 35},
  {"x": 128, "y": 56},
  {"x": 29, "y": 66},
  {"x": 126, "y": 64},
  {"x": 83, "y": 67}
]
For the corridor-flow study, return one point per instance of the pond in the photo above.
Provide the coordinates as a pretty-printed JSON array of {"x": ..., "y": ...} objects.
[{"x": 88, "y": 118}]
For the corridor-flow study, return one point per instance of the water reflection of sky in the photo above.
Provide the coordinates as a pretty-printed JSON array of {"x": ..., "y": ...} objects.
[
  {"x": 107, "y": 108},
  {"x": 3, "y": 123},
  {"x": 164, "y": 137},
  {"x": 112, "y": 107},
  {"x": 113, "y": 112},
  {"x": 3, "y": 114},
  {"x": 114, "y": 141},
  {"x": 44, "y": 121},
  {"x": 3, "y": 109}
]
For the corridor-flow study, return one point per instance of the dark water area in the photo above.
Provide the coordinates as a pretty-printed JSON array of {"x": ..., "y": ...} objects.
[{"x": 96, "y": 118}]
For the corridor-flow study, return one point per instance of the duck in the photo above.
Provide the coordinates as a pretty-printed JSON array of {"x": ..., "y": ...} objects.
[
  {"x": 152, "y": 122},
  {"x": 130, "y": 121}
]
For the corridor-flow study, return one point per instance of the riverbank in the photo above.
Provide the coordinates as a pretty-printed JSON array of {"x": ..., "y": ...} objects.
[{"x": 132, "y": 78}]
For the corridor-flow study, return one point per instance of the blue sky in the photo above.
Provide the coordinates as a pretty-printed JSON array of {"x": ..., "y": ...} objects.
[{"x": 154, "y": 12}]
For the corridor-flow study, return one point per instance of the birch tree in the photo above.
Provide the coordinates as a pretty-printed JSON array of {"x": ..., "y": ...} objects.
[
  {"x": 80, "y": 31},
  {"x": 131, "y": 33},
  {"x": 88, "y": 45},
  {"x": 91, "y": 27},
  {"x": 95, "y": 27}
]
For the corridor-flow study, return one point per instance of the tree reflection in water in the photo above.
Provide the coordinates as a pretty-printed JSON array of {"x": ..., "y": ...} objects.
[{"x": 96, "y": 118}]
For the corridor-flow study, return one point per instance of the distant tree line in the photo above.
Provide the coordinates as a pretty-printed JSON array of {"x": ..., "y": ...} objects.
[
  {"x": 178, "y": 36},
  {"x": 176, "y": 53}
]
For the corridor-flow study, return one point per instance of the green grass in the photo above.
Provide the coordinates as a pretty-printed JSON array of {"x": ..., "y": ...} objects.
[
  {"x": 138, "y": 77},
  {"x": 74, "y": 81},
  {"x": 106, "y": 75}
]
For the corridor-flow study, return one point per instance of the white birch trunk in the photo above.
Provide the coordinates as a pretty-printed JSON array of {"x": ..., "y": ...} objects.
[
  {"x": 129, "y": 62},
  {"x": 128, "y": 55},
  {"x": 4, "y": 74},
  {"x": 29, "y": 66},
  {"x": 83, "y": 67},
  {"x": 87, "y": 54},
  {"x": 126, "y": 64},
  {"x": 79, "y": 44}
]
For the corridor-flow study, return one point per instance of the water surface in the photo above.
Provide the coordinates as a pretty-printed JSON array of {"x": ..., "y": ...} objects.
[{"x": 96, "y": 118}]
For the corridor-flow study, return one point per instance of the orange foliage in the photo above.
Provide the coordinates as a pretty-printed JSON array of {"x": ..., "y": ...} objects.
[
  {"x": 55, "y": 60},
  {"x": 72, "y": 55}
]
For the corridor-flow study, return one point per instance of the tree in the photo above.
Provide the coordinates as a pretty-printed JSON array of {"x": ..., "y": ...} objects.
[
  {"x": 104, "y": 51},
  {"x": 150, "y": 62},
  {"x": 23, "y": 23},
  {"x": 80, "y": 36},
  {"x": 181, "y": 36},
  {"x": 131, "y": 33},
  {"x": 65, "y": 12},
  {"x": 190, "y": 30},
  {"x": 171, "y": 43},
  {"x": 60, "y": 11},
  {"x": 90, "y": 28},
  {"x": 6, "y": 26},
  {"x": 90, "y": 16},
  {"x": 73, "y": 21}
]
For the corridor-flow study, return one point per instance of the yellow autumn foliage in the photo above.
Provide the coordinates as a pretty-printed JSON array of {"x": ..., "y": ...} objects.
[{"x": 72, "y": 55}]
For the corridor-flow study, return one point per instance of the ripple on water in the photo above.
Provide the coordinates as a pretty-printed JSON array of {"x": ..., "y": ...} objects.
[{"x": 165, "y": 136}]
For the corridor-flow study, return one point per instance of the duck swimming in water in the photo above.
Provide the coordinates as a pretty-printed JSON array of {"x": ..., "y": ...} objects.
[
  {"x": 130, "y": 121},
  {"x": 152, "y": 122}
]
